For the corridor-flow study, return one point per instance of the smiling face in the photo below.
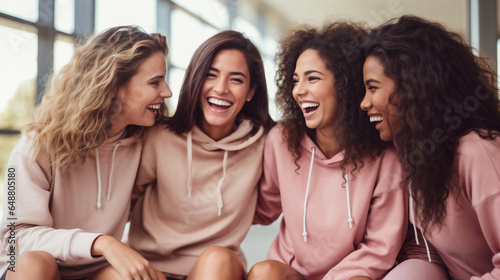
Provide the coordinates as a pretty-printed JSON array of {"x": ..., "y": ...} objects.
[
  {"x": 314, "y": 91},
  {"x": 142, "y": 94},
  {"x": 379, "y": 88},
  {"x": 225, "y": 91}
]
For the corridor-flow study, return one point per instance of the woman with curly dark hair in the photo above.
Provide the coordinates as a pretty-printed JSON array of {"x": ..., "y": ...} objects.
[
  {"x": 438, "y": 103},
  {"x": 326, "y": 154}
]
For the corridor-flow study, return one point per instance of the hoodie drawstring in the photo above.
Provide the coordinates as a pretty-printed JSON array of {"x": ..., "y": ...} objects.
[
  {"x": 98, "y": 166},
  {"x": 189, "y": 160},
  {"x": 99, "y": 186},
  {"x": 190, "y": 165},
  {"x": 304, "y": 232},
  {"x": 219, "y": 186},
  {"x": 112, "y": 168},
  {"x": 349, "y": 220},
  {"x": 412, "y": 216}
]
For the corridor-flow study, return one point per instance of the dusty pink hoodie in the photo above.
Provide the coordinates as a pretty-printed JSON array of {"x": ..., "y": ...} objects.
[
  {"x": 62, "y": 211},
  {"x": 202, "y": 193},
  {"x": 469, "y": 239},
  {"x": 353, "y": 228}
]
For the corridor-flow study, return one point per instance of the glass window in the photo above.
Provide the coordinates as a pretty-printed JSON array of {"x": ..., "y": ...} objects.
[
  {"x": 176, "y": 77},
  {"x": 63, "y": 51},
  {"x": 28, "y": 10},
  {"x": 111, "y": 13},
  {"x": 184, "y": 40},
  {"x": 210, "y": 10},
  {"x": 17, "y": 76},
  {"x": 65, "y": 15},
  {"x": 250, "y": 31},
  {"x": 8, "y": 144}
]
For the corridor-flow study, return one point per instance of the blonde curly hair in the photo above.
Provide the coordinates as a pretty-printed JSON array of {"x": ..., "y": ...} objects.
[{"x": 75, "y": 114}]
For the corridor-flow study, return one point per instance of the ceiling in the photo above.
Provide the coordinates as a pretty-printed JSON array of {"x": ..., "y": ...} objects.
[{"x": 451, "y": 13}]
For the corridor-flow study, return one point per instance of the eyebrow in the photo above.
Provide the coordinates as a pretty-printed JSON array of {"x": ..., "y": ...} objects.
[
  {"x": 371, "y": 81},
  {"x": 309, "y": 72},
  {"x": 158, "y": 77},
  {"x": 231, "y": 73}
]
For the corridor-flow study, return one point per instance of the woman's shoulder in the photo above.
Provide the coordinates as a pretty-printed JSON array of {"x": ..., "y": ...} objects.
[{"x": 474, "y": 144}]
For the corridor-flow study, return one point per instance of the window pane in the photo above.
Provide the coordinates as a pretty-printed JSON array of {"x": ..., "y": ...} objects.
[
  {"x": 250, "y": 31},
  {"x": 17, "y": 77},
  {"x": 210, "y": 10},
  {"x": 176, "y": 78},
  {"x": 183, "y": 44},
  {"x": 8, "y": 144},
  {"x": 62, "y": 53},
  {"x": 65, "y": 15},
  {"x": 28, "y": 10},
  {"x": 111, "y": 13}
]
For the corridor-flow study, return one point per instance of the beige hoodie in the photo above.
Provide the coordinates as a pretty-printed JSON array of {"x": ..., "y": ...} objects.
[
  {"x": 62, "y": 211},
  {"x": 203, "y": 193}
]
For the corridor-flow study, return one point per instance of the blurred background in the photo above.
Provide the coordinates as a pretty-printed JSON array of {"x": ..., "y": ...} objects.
[{"x": 37, "y": 38}]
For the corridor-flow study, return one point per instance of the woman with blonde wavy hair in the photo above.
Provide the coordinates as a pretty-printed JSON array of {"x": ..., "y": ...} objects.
[{"x": 68, "y": 189}]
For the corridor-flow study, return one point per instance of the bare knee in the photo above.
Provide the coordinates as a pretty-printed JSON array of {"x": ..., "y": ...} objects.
[
  {"x": 217, "y": 263},
  {"x": 271, "y": 269},
  {"x": 217, "y": 255},
  {"x": 35, "y": 263}
]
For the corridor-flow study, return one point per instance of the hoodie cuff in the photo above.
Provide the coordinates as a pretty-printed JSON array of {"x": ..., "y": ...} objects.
[{"x": 81, "y": 245}]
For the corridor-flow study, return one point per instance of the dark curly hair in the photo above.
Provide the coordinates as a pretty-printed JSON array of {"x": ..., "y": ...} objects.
[
  {"x": 339, "y": 44},
  {"x": 443, "y": 92}
]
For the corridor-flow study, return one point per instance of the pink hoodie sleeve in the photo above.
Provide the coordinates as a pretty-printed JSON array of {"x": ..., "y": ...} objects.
[
  {"x": 479, "y": 167},
  {"x": 386, "y": 227},
  {"x": 27, "y": 222},
  {"x": 269, "y": 201}
]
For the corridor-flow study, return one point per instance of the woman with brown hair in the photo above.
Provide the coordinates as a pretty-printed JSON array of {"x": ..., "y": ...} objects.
[
  {"x": 200, "y": 168},
  {"x": 69, "y": 184},
  {"x": 438, "y": 103}
]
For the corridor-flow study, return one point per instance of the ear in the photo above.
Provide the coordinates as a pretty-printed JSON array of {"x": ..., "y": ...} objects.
[{"x": 251, "y": 93}]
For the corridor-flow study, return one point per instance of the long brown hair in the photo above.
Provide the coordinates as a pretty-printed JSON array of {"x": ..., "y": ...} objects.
[
  {"x": 189, "y": 112},
  {"x": 75, "y": 114},
  {"x": 436, "y": 74},
  {"x": 339, "y": 44}
]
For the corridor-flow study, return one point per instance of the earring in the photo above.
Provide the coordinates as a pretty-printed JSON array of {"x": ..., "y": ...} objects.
[{"x": 248, "y": 100}]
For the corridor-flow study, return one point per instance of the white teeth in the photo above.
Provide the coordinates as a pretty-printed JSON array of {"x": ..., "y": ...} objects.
[
  {"x": 219, "y": 102},
  {"x": 154, "y": 106},
  {"x": 309, "y": 105},
  {"x": 376, "y": 118}
]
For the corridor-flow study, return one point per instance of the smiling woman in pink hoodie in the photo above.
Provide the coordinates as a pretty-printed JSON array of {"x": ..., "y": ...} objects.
[
  {"x": 325, "y": 169},
  {"x": 438, "y": 103},
  {"x": 68, "y": 189}
]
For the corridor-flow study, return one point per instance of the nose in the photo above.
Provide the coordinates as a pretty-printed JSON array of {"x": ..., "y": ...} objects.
[
  {"x": 366, "y": 103},
  {"x": 166, "y": 92},
  {"x": 298, "y": 90},
  {"x": 220, "y": 86}
]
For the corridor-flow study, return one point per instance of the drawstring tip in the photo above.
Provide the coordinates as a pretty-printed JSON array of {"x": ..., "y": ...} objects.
[
  {"x": 220, "y": 210},
  {"x": 305, "y": 236},
  {"x": 350, "y": 221},
  {"x": 98, "y": 205}
]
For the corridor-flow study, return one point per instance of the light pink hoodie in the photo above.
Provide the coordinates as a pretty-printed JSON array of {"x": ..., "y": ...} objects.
[
  {"x": 62, "y": 211},
  {"x": 469, "y": 239},
  {"x": 202, "y": 193},
  {"x": 332, "y": 229}
]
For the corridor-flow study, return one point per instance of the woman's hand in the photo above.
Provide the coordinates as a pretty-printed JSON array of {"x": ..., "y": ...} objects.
[{"x": 127, "y": 262}]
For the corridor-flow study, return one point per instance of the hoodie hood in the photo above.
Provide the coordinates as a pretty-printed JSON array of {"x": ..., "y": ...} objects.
[{"x": 240, "y": 139}]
